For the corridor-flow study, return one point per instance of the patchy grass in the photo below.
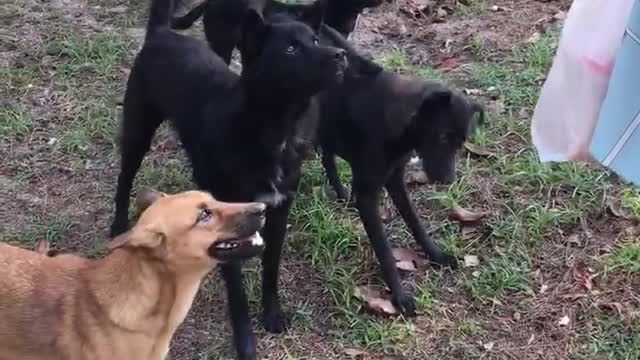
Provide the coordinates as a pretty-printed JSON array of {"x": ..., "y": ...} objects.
[{"x": 15, "y": 122}]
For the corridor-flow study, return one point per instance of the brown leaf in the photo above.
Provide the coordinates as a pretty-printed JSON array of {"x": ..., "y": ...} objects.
[
  {"x": 465, "y": 216},
  {"x": 581, "y": 275},
  {"x": 469, "y": 231},
  {"x": 417, "y": 177},
  {"x": 448, "y": 63},
  {"x": 615, "y": 306},
  {"x": 354, "y": 353},
  {"x": 407, "y": 259},
  {"x": 477, "y": 149},
  {"x": 375, "y": 301},
  {"x": 615, "y": 207},
  {"x": 471, "y": 261}
]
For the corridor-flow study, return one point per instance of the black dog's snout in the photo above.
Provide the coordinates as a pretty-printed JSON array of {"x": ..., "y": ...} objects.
[
  {"x": 259, "y": 209},
  {"x": 340, "y": 55}
]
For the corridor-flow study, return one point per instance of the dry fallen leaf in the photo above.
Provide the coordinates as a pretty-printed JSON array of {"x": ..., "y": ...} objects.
[
  {"x": 471, "y": 261},
  {"x": 465, "y": 216},
  {"x": 489, "y": 346},
  {"x": 477, "y": 149},
  {"x": 407, "y": 259},
  {"x": 375, "y": 301},
  {"x": 615, "y": 306},
  {"x": 448, "y": 64},
  {"x": 615, "y": 207},
  {"x": 582, "y": 276},
  {"x": 472, "y": 91},
  {"x": 354, "y": 353},
  {"x": 469, "y": 231},
  {"x": 417, "y": 177},
  {"x": 564, "y": 321}
]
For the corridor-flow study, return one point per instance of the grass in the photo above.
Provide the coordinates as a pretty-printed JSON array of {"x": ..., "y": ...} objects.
[
  {"x": 94, "y": 122},
  {"x": 94, "y": 56},
  {"x": 502, "y": 275},
  {"x": 15, "y": 122}
]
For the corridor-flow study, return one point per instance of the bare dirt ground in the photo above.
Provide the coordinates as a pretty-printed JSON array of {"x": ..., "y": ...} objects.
[{"x": 552, "y": 271}]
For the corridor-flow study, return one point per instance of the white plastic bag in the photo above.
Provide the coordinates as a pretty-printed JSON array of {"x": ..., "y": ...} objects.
[{"x": 570, "y": 100}]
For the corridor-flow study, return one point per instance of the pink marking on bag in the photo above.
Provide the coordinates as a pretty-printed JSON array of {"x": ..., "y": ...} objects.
[{"x": 604, "y": 69}]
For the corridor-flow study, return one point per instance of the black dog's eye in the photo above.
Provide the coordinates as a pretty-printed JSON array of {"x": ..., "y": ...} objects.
[
  {"x": 204, "y": 215},
  {"x": 291, "y": 49}
]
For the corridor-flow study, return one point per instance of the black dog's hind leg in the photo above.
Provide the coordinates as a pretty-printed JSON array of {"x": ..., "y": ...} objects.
[
  {"x": 398, "y": 192},
  {"x": 367, "y": 205},
  {"x": 329, "y": 164},
  {"x": 243, "y": 338},
  {"x": 274, "y": 233},
  {"x": 139, "y": 124}
]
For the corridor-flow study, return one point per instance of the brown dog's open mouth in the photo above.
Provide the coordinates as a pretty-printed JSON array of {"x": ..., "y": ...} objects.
[{"x": 237, "y": 249}]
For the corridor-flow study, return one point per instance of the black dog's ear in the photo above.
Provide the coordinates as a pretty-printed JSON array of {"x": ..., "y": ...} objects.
[
  {"x": 435, "y": 100},
  {"x": 314, "y": 15},
  {"x": 254, "y": 31}
]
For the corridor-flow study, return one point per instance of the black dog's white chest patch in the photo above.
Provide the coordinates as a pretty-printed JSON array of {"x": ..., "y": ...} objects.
[{"x": 274, "y": 197}]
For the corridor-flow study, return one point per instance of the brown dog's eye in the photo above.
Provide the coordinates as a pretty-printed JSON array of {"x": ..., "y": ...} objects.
[{"x": 204, "y": 215}]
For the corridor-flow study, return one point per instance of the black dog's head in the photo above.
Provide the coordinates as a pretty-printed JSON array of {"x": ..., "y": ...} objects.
[
  {"x": 286, "y": 54},
  {"x": 447, "y": 119}
]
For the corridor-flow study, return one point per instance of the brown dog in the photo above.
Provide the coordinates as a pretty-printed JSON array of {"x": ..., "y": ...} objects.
[{"x": 128, "y": 304}]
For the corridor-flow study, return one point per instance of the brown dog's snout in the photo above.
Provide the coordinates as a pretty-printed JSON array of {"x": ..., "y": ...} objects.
[{"x": 246, "y": 219}]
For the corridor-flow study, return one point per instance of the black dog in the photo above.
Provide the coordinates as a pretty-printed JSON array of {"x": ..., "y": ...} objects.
[
  {"x": 245, "y": 136},
  {"x": 374, "y": 120},
  {"x": 223, "y": 18}
]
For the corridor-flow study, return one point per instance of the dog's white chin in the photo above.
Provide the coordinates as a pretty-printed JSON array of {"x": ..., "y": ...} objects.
[{"x": 256, "y": 239}]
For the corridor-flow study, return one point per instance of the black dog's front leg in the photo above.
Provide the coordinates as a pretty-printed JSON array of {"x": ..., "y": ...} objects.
[
  {"x": 367, "y": 204},
  {"x": 243, "y": 337},
  {"x": 398, "y": 192},
  {"x": 274, "y": 232},
  {"x": 329, "y": 164}
]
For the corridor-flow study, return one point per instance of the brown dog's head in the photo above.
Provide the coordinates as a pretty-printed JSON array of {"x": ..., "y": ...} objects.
[{"x": 193, "y": 230}]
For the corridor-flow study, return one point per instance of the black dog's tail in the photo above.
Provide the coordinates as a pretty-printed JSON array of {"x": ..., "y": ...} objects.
[
  {"x": 185, "y": 22},
  {"x": 160, "y": 15}
]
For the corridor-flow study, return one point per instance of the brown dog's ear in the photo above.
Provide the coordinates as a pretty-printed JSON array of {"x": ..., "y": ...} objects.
[
  {"x": 147, "y": 197},
  {"x": 137, "y": 238},
  {"x": 42, "y": 246}
]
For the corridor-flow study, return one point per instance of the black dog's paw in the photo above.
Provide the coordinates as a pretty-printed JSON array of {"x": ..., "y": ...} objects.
[
  {"x": 405, "y": 304},
  {"x": 246, "y": 349},
  {"x": 444, "y": 260},
  {"x": 275, "y": 321}
]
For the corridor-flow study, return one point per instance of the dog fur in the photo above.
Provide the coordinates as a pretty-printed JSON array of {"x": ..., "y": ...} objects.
[
  {"x": 245, "y": 136},
  {"x": 223, "y": 18},
  {"x": 374, "y": 120},
  {"x": 128, "y": 304}
]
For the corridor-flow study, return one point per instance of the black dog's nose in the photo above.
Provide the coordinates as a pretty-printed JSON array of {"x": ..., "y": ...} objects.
[
  {"x": 259, "y": 209},
  {"x": 341, "y": 54}
]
